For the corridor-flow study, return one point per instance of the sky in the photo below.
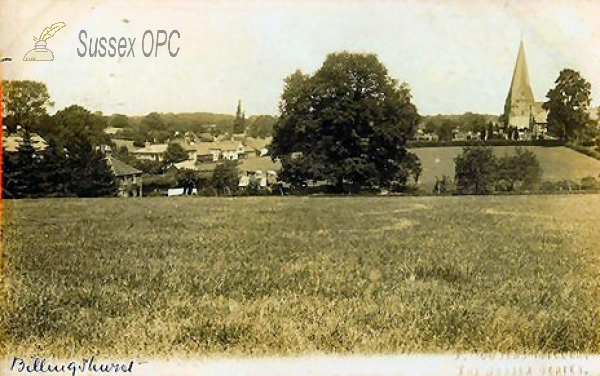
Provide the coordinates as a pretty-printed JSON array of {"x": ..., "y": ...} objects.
[{"x": 457, "y": 56}]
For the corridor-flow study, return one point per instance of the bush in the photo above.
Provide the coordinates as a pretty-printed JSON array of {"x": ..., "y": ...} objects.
[
  {"x": 158, "y": 184},
  {"x": 225, "y": 177},
  {"x": 589, "y": 183},
  {"x": 519, "y": 170},
  {"x": 479, "y": 172},
  {"x": 547, "y": 187},
  {"x": 475, "y": 170},
  {"x": 567, "y": 185}
]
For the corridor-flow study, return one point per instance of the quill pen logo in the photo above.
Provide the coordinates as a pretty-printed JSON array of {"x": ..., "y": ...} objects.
[{"x": 40, "y": 52}]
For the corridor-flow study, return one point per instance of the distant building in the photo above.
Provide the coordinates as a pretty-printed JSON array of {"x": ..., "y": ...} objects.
[
  {"x": 111, "y": 131},
  {"x": 129, "y": 178},
  {"x": 11, "y": 142},
  {"x": 521, "y": 111},
  {"x": 156, "y": 152}
]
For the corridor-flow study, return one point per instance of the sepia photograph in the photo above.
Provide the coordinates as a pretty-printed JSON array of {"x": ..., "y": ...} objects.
[{"x": 312, "y": 187}]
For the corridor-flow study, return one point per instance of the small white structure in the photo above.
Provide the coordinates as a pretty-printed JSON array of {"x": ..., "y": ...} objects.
[{"x": 179, "y": 192}]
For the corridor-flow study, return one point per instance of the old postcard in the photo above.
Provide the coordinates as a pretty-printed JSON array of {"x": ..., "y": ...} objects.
[{"x": 361, "y": 187}]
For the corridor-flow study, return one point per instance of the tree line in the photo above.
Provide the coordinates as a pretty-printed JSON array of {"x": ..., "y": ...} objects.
[
  {"x": 346, "y": 125},
  {"x": 73, "y": 168}
]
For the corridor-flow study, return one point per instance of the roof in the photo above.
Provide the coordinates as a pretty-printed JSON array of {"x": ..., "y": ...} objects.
[
  {"x": 259, "y": 164},
  {"x": 257, "y": 143},
  {"x": 152, "y": 149},
  {"x": 206, "y": 136},
  {"x": 186, "y": 146},
  {"x": 11, "y": 142},
  {"x": 112, "y": 130},
  {"x": 162, "y": 148},
  {"x": 121, "y": 168},
  {"x": 203, "y": 148},
  {"x": 520, "y": 89},
  {"x": 185, "y": 165},
  {"x": 225, "y": 145}
]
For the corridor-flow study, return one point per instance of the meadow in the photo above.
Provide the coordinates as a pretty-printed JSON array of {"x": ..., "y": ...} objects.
[{"x": 295, "y": 275}]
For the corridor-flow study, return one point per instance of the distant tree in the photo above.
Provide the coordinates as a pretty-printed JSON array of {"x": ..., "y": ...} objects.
[
  {"x": 239, "y": 124},
  {"x": 24, "y": 103},
  {"x": 475, "y": 170},
  {"x": 25, "y": 178},
  {"x": 490, "y": 131},
  {"x": 225, "y": 177},
  {"x": 123, "y": 154},
  {"x": 119, "y": 121},
  {"x": 567, "y": 106},
  {"x": 445, "y": 130},
  {"x": 223, "y": 126},
  {"x": 91, "y": 176},
  {"x": 349, "y": 122},
  {"x": 55, "y": 172},
  {"x": 160, "y": 136},
  {"x": 262, "y": 126},
  {"x": 429, "y": 126},
  {"x": 175, "y": 153},
  {"x": 139, "y": 140},
  {"x": 472, "y": 122},
  {"x": 153, "y": 122}
]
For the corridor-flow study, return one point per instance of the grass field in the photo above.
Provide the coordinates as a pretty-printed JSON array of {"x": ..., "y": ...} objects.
[
  {"x": 558, "y": 163},
  {"x": 197, "y": 276}
]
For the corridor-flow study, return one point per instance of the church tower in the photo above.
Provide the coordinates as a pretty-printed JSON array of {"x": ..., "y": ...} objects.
[{"x": 520, "y": 106}]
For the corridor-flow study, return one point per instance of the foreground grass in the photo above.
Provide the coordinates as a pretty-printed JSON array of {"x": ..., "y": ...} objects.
[{"x": 177, "y": 276}]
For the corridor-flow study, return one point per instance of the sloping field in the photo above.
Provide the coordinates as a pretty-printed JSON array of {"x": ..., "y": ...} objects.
[
  {"x": 162, "y": 276},
  {"x": 558, "y": 163}
]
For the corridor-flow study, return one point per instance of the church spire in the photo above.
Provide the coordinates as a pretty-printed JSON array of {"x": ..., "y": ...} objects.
[
  {"x": 520, "y": 89},
  {"x": 520, "y": 101}
]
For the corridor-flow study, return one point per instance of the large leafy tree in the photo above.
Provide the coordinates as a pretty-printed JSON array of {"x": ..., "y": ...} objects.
[
  {"x": 347, "y": 123},
  {"x": 76, "y": 120},
  {"x": 24, "y": 103},
  {"x": 568, "y": 106}
]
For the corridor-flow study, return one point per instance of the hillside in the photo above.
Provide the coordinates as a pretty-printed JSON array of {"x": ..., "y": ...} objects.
[{"x": 558, "y": 163}]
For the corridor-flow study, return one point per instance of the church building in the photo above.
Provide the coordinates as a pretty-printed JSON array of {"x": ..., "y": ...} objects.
[{"x": 521, "y": 111}]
